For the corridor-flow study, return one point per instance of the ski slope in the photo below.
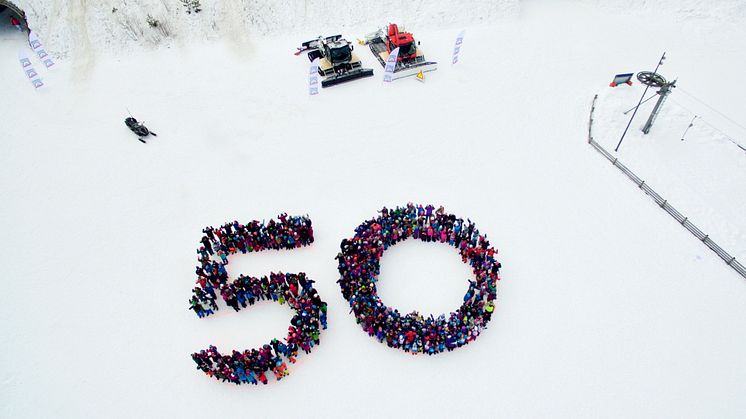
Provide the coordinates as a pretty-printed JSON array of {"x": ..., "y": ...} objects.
[{"x": 607, "y": 307}]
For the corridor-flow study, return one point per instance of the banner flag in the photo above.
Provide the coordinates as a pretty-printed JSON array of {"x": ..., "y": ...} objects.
[
  {"x": 313, "y": 78},
  {"x": 388, "y": 72},
  {"x": 457, "y": 48},
  {"x": 29, "y": 70},
  {"x": 38, "y": 48}
]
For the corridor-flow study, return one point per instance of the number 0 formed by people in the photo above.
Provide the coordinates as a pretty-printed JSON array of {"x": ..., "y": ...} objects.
[{"x": 359, "y": 266}]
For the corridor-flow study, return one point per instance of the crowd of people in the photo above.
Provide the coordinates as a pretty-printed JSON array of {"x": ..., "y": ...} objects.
[
  {"x": 359, "y": 266},
  {"x": 296, "y": 290},
  {"x": 219, "y": 243}
]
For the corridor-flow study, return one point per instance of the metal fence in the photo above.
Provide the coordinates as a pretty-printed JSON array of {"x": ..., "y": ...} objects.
[{"x": 663, "y": 203}]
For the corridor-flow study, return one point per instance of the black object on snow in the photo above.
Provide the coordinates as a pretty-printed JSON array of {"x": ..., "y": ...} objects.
[{"x": 138, "y": 128}]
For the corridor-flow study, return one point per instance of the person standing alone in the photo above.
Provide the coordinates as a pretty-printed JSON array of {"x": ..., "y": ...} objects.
[{"x": 15, "y": 22}]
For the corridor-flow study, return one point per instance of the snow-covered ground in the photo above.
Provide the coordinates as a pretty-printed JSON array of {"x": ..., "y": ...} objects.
[
  {"x": 700, "y": 171},
  {"x": 607, "y": 307}
]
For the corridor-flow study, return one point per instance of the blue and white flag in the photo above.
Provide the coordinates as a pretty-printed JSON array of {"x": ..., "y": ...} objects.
[
  {"x": 388, "y": 72},
  {"x": 313, "y": 78},
  {"x": 457, "y": 48},
  {"x": 29, "y": 70},
  {"x": 38, "y": 48}
]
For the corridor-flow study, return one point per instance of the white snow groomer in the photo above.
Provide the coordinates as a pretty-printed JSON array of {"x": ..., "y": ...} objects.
[
  {"x": 337, "y": 64},
  {"x": 410, "y": 61}
]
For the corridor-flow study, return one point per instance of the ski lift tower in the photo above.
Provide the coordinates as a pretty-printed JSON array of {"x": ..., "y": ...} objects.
[
  {"x": 652, "y": 77},
  {"x": 655, "y": 80}
]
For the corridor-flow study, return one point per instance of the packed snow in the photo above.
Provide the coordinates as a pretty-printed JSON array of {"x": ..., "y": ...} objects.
[{"x": 607, "y": 306}]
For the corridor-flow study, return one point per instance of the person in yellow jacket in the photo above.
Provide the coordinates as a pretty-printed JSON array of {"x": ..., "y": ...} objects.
[{"x": 489, "y": 307}]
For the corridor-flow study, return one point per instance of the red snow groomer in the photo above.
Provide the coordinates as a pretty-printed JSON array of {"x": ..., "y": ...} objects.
[{"x": 411, "y": 60}]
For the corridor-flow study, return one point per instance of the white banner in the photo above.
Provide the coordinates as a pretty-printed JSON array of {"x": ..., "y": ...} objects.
[
  {"x": 388, "y": 72},
  {"x": 38, "y": 48},
  {"x": 28, "y": 69},
  {"x": 313, "y": 78},
  {"x": 457, "y": 48}
]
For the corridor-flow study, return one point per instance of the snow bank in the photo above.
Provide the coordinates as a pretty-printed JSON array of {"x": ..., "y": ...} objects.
[
  {"x": 722, "y": 10},
  {"x": 77, "y": 25}
]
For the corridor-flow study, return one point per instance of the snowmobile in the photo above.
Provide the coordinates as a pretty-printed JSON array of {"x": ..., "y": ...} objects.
[
  {"x": 139, "y": 129},
  {"x": 338, "y": 63},
  {"x": 410, "y": 61}
]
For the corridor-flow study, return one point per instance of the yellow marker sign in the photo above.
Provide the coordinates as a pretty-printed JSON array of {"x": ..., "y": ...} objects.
[{"x": 421, "y": 76}]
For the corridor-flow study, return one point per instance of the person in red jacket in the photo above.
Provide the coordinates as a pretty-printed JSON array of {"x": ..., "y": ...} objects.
[{"x": 15, "y": 22}]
